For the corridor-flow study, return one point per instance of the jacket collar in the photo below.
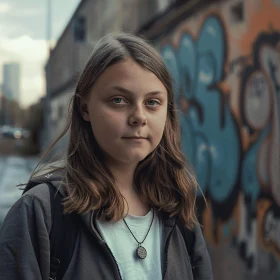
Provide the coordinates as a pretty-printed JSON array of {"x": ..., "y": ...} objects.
[{"x": 57, "y": 178}]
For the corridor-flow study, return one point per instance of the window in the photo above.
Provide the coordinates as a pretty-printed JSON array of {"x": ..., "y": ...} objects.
[{"x": 80, "y": 29}]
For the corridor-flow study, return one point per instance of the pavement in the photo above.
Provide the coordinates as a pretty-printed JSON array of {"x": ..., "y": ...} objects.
[{"x": 14, "y": 170}]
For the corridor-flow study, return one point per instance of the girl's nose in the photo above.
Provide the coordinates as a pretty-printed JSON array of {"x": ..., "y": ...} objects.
[{"x": 137, "y": 118}]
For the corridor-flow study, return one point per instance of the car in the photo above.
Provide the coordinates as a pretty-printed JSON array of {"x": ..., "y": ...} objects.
[{"x": 14, "y": 132}]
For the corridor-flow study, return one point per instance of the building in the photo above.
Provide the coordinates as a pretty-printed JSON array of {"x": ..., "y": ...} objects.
[
  {"x": 10, "y": 114},
  {"x": 11, "y": 81}
]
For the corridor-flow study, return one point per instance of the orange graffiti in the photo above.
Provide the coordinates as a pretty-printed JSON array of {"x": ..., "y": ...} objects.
[
  {"x": 264, "y": 17},
  {"x": 208, "y": 225}
]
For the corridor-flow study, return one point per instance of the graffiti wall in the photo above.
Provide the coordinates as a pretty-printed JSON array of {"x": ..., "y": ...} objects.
[{"x": 226, "y": 75}]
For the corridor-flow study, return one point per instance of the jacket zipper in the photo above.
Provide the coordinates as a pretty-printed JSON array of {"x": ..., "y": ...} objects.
[{"x": 166, "y": 251}]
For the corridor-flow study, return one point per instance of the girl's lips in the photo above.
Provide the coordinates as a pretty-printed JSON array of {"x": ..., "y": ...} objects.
[{"x": 134, "y": 138}]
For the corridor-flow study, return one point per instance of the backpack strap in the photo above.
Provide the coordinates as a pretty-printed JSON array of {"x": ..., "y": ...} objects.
[
  {"x": 63, "y": 235},
  {"x": 188, "y": 236}
]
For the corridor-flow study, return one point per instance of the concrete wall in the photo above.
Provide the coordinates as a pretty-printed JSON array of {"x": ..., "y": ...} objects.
[{"x": 226, "y": 70}]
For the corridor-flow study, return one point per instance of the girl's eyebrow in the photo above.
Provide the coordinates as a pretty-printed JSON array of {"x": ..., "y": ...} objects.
[{"x": 126, "y": 91}]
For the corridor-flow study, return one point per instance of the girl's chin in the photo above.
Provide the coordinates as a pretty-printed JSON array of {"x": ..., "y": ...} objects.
[
  {"x": 133, "y": 159},
  {"x": 126, "y": 158}
]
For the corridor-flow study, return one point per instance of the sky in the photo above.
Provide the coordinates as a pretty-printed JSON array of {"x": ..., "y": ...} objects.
[{"x": 23, "y": 39}]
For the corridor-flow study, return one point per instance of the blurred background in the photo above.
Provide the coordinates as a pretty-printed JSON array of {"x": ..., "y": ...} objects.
[{"x": 224, "y": 56}]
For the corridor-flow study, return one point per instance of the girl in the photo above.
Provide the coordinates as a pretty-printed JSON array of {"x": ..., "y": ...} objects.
[{"x": 124, "y": 176}]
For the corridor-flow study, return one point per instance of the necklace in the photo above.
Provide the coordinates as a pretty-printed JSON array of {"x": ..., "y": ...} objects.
[{"x": 141, "y": 252}]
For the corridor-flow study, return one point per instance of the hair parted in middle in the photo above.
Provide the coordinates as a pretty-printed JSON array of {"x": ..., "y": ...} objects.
[{"x": 163, "y": 179}]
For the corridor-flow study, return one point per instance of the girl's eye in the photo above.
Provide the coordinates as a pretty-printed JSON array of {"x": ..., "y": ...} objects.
[
  {"x": 153, "y": 103},
  {"x": 118, "y": 100}
]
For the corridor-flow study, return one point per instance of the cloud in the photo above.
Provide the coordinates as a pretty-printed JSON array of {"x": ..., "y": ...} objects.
[
  {"x": 5, "y": 8},
  {"x": 10, "y": 30},
  {"x": 31, "y": 54},
  {"x": 19, "y": 18},
  {"x": 20, "y": 11},
  {"x": 22, "y": 40},
  {"x": 26, "y": 12}
]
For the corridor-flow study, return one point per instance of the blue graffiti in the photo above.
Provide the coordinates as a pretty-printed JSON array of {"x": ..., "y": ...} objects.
[
  {"x": 170, "y": 60},
  {"x": 209, "y": 133}
]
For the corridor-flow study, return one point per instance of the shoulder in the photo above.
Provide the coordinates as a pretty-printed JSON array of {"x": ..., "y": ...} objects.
[
  {"x": 40, "y": 192},
  {"x": 34, "y": 204},
  {"x": 24, "y": 236}
]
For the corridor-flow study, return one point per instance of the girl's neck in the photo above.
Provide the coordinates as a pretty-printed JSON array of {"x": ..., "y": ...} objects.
[
  {"x": 124, "y": 179},
  {"x": 124, "y": 176}
]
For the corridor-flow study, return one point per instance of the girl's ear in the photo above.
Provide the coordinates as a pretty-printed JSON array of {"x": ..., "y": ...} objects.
[{"x": 84, "y": 111}]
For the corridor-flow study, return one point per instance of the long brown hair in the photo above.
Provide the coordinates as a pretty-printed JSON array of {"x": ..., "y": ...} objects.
[{"x": 164, "y": 179}]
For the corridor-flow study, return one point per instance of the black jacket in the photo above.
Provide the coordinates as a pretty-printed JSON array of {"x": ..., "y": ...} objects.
[{"x": 25, "y": 246}]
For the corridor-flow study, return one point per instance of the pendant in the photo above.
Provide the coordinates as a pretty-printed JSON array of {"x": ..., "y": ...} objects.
[{"x": 141, "y": 252}]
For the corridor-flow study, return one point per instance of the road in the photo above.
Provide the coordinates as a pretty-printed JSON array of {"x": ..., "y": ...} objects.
[{"x": 13, "y": 170}]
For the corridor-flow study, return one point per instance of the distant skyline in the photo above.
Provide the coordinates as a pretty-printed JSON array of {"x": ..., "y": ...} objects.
[
  {"x": 11, "y": 81},
  {"x": 23, "y": 34}
]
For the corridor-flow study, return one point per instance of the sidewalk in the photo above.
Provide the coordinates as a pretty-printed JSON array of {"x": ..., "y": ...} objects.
[{"x": 14, "y": 170}]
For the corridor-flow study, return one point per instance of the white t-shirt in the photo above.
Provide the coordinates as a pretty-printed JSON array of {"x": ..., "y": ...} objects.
[{"x": 123, "y": 245}]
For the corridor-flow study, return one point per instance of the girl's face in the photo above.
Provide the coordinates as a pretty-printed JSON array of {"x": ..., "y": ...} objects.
[{"x": 127, "y": 109}]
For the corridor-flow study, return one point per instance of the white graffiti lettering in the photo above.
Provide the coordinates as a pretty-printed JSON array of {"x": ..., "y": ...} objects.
[{"x": 272, "y": 229}]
